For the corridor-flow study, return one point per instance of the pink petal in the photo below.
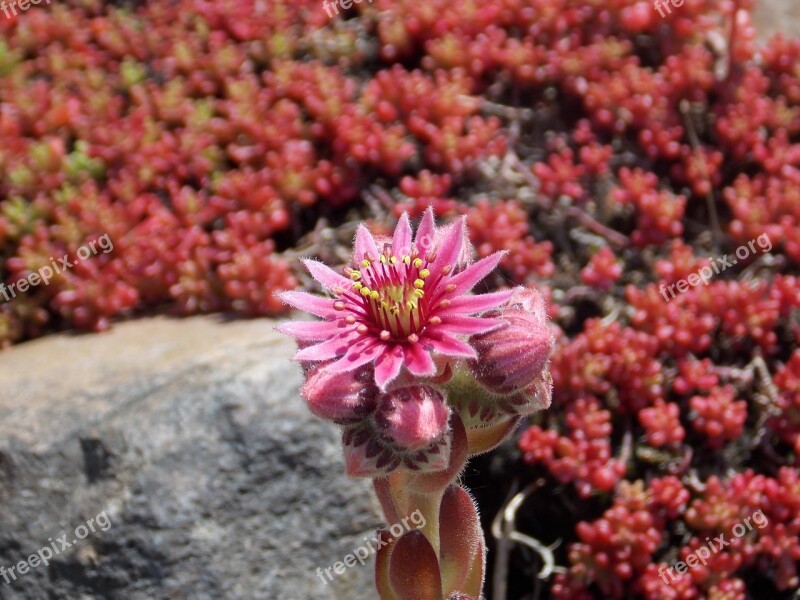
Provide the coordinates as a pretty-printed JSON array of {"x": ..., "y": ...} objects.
[
  {"x": 328, "y": 349},
  {"x": 426, "y": 232},
  {"x": 464, "y": 257},
  {"x": 388, "y": 366},
  {"x": 467, "y": 279},
  {"x": 358, "y": 354},
  {"x": 327, "y": 276},
  {"x": 449, "y": 249},
  {"x": 364, "y": 244},
  {"x": 465, "y": 305},
  {"x": 446, "y": 344},
  {"x": 401, "y": 242},
  {"x": 465, "y": 325},
  {"x": 419, "y": 361},
  {"x": 316, "y": 305},
  {"x": 311, "y": 330}
]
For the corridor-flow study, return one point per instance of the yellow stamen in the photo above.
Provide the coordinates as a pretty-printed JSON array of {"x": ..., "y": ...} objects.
[
  {"x": 407, "y": 259},
  {"x": 424, "y": 274},
  {"x": 355, "y": 275},
  {"x": 418, "y": 262},
  {"x": 419, "y": 284},
  {"x": 374, "y": 295},
  {"x": 358, "y": 286},
  {"x": 365, "y": 291},
  {"x": 365, "y": 263},
  {"x": 419, "y": 293}
]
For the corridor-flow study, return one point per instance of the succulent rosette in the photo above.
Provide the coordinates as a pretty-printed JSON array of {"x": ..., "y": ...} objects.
[
  {"x": 420, "y": 374},
  {"x": 403, "y": 347}
]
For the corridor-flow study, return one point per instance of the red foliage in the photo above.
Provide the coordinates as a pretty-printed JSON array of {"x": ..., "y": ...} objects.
[
  {"x": 662, "y": 425},
  {"x": 584, "y": 456},
  {"x": 609, "y": 357},
  {"x": 718, "y": 416},
  {"x": 504, "y": 226},
  {"x": 603, "y": 269}
]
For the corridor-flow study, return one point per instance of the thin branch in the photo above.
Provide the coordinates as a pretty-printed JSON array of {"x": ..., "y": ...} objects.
[
  {"x": 504, "y": 530},
  {"x": 732, "y": 35},
  {"x": 694, "y": 142},
  {"x": 502, "y": 551},
  {"x": 546, "y": 552},
  {"x": 693, "y": 481},
  {"x": 627, "y": 444},
  {"x": 507, "y": 112},
  {"x": 765, "y": 378},
  {"x": 592, "y": 224}
]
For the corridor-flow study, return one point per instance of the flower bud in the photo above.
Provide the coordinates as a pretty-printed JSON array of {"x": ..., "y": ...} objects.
[
  {"x": 413, "y": 417},
  {"x": 513, "y": 356},
  {"x": 340, "y": 396}
]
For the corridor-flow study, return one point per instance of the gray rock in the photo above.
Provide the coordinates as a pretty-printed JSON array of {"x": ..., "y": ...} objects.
[
  {"x": 773, "y": 16},
  {"x": 190, "y": 436}
]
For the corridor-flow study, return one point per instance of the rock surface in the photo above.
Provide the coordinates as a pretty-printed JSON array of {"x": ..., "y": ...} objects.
[
  {"x": 191, "y": 437},
  {"x": 772, "y": 16}
]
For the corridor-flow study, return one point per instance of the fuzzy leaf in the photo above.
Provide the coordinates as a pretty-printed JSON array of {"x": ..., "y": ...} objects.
[
  {"x": 474, "y": 583},
  {"x": 460, "y": 537},
  {"x": 484, "y": 439},
  {"x": 382, "y": 582},
  {"x": 414, "y": 568}
]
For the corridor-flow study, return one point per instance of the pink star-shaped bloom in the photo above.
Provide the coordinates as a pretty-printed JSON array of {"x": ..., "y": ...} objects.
[{"x": 402, "y": 304}]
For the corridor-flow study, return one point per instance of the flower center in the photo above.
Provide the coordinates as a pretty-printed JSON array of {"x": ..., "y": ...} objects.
[{"x": 392, "y": 293}]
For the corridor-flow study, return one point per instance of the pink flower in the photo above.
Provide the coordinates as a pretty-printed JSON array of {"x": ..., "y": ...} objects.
[{"x": 401, "y": 305}]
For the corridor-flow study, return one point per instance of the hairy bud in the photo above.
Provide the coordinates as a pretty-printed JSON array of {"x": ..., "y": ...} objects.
[
  {"x": 513, "y": 356},
  {"x": 413, "y": 417},
  {"x": 341, "y": 397}
]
